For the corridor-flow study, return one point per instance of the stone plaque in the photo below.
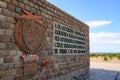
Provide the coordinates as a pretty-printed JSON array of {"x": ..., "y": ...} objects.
[
  {"x": 68, "y": 40},
  {"x": 30, "y": 68}
]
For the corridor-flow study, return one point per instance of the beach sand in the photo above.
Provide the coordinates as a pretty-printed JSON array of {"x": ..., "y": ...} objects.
[
  {"x": 100, "y": 63},
  {"x": 104, "y": 70}
]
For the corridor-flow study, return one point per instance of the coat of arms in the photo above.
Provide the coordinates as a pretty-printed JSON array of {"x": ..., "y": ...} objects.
[{"x": 29, "y": 32}]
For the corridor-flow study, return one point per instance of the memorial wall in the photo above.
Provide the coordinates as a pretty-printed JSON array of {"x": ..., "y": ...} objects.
[{"x": 39, "y": 41}]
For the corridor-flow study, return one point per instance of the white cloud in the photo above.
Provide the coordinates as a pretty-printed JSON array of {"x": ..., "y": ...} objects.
[
  {"x": 104, "y": 42},
  {"x": 95, "y": 24},
  {"x": 104, "y": 38}
]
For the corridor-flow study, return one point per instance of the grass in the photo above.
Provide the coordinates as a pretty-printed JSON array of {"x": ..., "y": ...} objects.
[{"x": 106, "y": 56}]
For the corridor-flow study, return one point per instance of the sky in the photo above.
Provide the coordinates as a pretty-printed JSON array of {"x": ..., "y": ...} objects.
[{"x": 103, "y": 18}]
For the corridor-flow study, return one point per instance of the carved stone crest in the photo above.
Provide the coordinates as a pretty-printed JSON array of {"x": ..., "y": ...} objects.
[{"x": 29, "y": 32}]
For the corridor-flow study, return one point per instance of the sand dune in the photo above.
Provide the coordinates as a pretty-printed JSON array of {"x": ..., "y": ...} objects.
[{"x": 99, "y": 63}]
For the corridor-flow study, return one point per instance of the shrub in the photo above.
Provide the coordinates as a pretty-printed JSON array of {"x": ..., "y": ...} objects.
[{"x": 105, "y": 58}]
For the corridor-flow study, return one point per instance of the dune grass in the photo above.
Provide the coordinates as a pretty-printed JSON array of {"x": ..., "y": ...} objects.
[{"x": 106, "y": 56}]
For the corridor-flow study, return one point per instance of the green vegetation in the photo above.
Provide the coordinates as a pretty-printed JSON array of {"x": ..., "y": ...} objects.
[{"x": 106, "y": 56}]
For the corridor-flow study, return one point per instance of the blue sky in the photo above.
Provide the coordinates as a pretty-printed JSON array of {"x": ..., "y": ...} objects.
[{"x": 103, "y": 17}]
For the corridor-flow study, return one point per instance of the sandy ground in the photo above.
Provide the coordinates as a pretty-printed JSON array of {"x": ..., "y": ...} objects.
[
  {"x": 99, "y": 63},
  {"x": 104, "y": 70},
  {"x": 106, "y": 66}
]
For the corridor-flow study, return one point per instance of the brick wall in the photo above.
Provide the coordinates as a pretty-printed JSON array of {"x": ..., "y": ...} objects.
[{"x": 61, "y": 67}]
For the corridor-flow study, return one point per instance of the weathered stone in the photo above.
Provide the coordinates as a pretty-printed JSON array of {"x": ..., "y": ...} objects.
[
  {"x": 8, "y": 60},
  {"x": 27, "y": 7},
  {"x": 12, "y": 40},
  {"x": 4, "y": 25},
  {"x": 14, "y": 2},
  {"x": 4, "y": 74},
  {"x": 31, "y": 4},
  {"x": 8, "y": 32},
  {"x": 1, "y": 60},
  {"x": 13, "y": 73},
  {"x": 12, "y": 26},
  {"x": 2, "y": 31},
  {"x": 0, "y": 10},
  {"x": 39, "y": 3},
  {"x": 19, "y": 53},
  {"x": 5, "y": 39},
  {"x": 3, "y": 4},
  {"x": 2, "y": 17},
  {"x": 11, "y": 7},
  {"x": 13, "y": 53},
  {"x": 48, "y": 39},
  {"x": 6, "y": 12},
  {"x": 16, "y": 59},
  {"x": 20, "y": 72},
  {"x": 38, "y": 12},
  {"x": 25, "y": 1},
  {"x": 18, "y": 78},
  {"x": 42, "y": 0},
  {"x": 34, "y": 1},
  {"x": 14, "y": 14},
  {"x": 33, "y": 10},
  {"x": 7, "y": 1},
  {"x": 4, "y": 53},
  {"x": 30, "y": 68},
  {"x": 2, "y": 46},
  {"x": 10, "y": 46},
  {"x": 10, "y": 66},
  {"x": 18, "y": 10},
  {"x": 36, "y": 6},
  {"x": 21, "y": 5},
  {"x": 10, "y": 19}
]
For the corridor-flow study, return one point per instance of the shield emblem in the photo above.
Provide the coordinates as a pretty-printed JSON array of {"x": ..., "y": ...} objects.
[
  {"x": 29, "y": 33},
  {"x": 32, "y": 34}
]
